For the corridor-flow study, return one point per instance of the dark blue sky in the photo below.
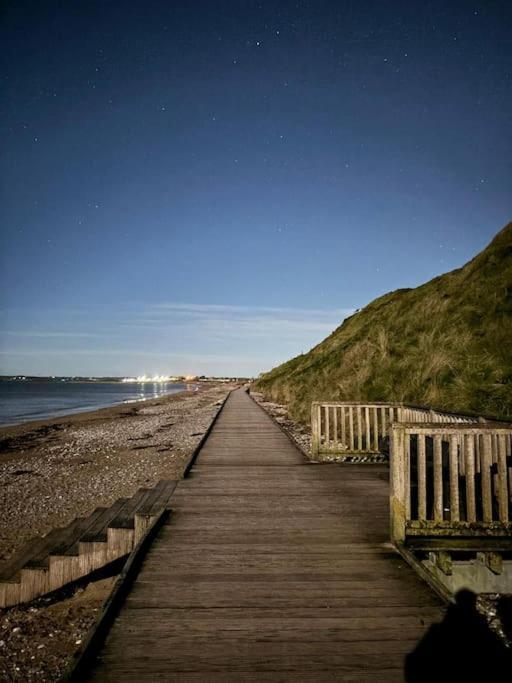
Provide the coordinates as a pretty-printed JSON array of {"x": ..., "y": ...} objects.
[{"x": 211, "y": 186}]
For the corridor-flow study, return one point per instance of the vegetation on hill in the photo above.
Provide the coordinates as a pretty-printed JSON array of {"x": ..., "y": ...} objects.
[{"x": 446, "y": 344}]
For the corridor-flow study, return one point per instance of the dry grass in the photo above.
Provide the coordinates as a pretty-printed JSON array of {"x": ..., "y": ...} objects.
[{"x": 445, "y": 344}]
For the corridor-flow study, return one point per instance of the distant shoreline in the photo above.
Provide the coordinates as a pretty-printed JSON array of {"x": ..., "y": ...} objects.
[{"x": 104, "y": 410}]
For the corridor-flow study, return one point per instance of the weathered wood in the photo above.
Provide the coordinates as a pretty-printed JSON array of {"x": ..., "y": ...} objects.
[
  {"x": 315, "y": 429},
  {"x": 375, "y": 429},
  {"x": 275, "y": 569},
  {"x": 454, "y": 479},
  {"x": 384, "y": 424},
  {"x": 422, "y": 478},
  {"x": 502, "y": 478},
  {"x": 398, "y": 515},
  {"x": 469, "y": 448},
  {"x": 351, "y": 427},
  {"x": 359, "y": 428},
  {"x": 438, "y": 478},
  {"x": 407, "y": 476},
  {"x": 368, "y": 443},
  {"x": 486, "y": 462}
]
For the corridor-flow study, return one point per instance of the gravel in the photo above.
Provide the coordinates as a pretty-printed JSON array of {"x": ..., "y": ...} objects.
[{"x": 54, "y": 471}]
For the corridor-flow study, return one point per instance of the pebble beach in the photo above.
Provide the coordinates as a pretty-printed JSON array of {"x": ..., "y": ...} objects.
[{"x": 55, "y": 470}]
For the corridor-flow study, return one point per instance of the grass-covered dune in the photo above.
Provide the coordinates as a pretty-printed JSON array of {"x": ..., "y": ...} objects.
[{"x": 446, "y": 344}]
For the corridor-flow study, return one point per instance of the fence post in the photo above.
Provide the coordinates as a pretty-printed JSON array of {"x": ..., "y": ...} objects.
[
  {"x": 397, "y": 480},
  {"x": 315, "y": 429}
]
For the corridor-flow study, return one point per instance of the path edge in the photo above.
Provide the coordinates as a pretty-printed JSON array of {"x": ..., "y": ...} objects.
[
  {"x": 193, "y": 457},
  {"x": 98, "y": 633},
  {"x": 79, "y": 668},
  {"x": 290, "y": 436}
]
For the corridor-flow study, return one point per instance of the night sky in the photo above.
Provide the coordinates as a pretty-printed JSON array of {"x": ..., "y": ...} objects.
[{"x": 210, "y": 187}]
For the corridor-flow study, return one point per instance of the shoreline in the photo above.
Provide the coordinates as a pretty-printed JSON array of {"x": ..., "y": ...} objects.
[
  {"x": 53, "y": 470},
  {"x": 68, "y": 416},
  {"x": 86, "y": 409}
]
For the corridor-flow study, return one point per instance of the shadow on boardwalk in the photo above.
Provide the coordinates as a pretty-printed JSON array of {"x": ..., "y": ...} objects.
[{"x": 462, "y": 647}]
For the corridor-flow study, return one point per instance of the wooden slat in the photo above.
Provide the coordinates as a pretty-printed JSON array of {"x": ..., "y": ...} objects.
[
  {"x": 368, "y": 443},
  {"x": 486, "y": 462},
  {"x": 469, "y": 448},
  {"x": 375, "y": 429},
  {"x": 407, "y": 476},
  {"x": 438, "y": 478},
  {"x": 351, "y": 426},
  {"x": 273, "y": 569},
  {"x": 502, "y": 479},
  {"x": 384, "y": 426},
  {"x": 422, "y": 478},
  {"x": 343, "y": 427},
  {"x": 359, "y": 428},
  {"x": 454, "y": 479}
]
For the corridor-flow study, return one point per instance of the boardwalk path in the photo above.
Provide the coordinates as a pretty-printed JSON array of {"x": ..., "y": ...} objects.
[{"x": 271, "y": 569}]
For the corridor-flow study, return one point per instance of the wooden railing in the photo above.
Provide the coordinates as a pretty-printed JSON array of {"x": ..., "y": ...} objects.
[
  {"x": 450, "y": 480},
  {"x": 342, "y": 428}
]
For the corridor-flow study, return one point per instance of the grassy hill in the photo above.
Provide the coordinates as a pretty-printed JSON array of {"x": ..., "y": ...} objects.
[{"x": 446, "y": 344}]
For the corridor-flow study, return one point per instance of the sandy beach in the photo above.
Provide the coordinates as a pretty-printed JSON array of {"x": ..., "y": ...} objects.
[{"x": 55, "y": 470}]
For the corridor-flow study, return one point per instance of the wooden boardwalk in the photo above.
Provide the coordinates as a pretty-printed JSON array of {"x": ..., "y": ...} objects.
[{"x": 271, "y": 568}]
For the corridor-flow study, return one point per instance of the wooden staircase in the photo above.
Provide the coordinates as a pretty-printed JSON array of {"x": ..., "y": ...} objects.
[{"x": 87, "y": 544}]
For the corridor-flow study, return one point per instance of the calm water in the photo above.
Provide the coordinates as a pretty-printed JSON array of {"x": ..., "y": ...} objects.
[{"x": 24, "y": 401}]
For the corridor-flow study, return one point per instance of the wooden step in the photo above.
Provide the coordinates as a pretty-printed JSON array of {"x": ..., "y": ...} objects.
[
  {"x": 121, "y": 531},
  {"x": 41, "y": 575},
  {"x": 64, "y": 560},
  {"x": 11, "y": 574},
  {"x": 87, "y": 544},
  {"x": 158, "y": 501}
]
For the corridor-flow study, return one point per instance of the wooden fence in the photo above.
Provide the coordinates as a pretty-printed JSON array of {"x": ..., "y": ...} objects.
[
  {"x": 340, "y": 428},
  {"x": 450, "y": 480}
]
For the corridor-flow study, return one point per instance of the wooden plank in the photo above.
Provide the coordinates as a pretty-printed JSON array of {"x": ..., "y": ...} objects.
[
  {"x": 351, "y": 427},
  {"x": 486, "y": 463},
  {"x": 469, "y": 449},
  {"x": 271, "y": 566},
  {"x": 454, "y": 479},
  {"x": 359, "y": 428},
  {"x": 375, "y": 429},
  {"x": 343, "y": 428},
  {"x": 367, "y": 441},
  {"x": 407, "y": 476},
  {"x": 438, "y": 478},
  {"x": 422, "y": 478},
  {"x": 502, "y": 479}
]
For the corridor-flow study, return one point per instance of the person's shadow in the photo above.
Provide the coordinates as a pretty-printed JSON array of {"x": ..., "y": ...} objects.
[{"x": 462, "y": 647}]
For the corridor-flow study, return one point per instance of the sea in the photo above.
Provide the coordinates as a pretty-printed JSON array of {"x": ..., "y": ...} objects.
[{"x": 23, "y": 401}]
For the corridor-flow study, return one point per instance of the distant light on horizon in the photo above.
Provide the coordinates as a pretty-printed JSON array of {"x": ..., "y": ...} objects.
[{"x": 156, "y": 379}]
